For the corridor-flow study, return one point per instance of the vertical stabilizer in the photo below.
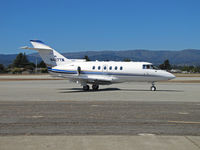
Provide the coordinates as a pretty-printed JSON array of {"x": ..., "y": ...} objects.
[{"x": 49, "y": 55}]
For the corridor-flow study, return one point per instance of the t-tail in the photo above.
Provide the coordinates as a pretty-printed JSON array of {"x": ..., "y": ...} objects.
[{"x": 49, "y": 55}]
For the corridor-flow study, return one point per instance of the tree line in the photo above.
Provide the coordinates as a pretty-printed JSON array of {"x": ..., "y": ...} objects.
[{"x": 21, "y": 64}]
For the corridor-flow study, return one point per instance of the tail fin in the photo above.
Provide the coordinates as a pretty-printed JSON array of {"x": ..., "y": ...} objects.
[{"x": 49, "y": 55}]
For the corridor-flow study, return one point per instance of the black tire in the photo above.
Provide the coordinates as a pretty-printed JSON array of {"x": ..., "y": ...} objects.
[
  {"x": 86, "y": 88},
  {"x": 153, "y": 88},
  {"x": 95, "y": 87}
]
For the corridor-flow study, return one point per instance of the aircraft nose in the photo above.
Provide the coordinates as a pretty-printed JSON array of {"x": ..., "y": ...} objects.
[{"x": 171, "y": 76}]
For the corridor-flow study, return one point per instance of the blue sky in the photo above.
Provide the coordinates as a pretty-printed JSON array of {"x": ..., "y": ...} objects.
[{"x": 81, "y": 25}]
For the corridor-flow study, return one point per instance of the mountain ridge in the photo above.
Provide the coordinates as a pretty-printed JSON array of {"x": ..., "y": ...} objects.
[{"x": 181, "y": 57}]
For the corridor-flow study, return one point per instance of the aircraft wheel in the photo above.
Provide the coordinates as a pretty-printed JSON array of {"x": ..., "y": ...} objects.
[
  {"x": 153, "y": 88},
  {"x": 95, "y": 87},
  {"x": 86, "y": 87}
]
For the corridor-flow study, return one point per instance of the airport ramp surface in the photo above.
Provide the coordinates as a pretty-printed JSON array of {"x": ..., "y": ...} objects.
[{"x": 46, "y": 113}]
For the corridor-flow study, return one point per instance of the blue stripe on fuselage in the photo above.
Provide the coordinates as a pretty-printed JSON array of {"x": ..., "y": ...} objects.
[
  {"x": 63, "y": 71},
  {"x": 96, "y": 73}
]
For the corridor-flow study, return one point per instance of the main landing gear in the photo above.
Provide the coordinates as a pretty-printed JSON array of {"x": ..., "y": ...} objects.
[
  {"x": 153, "y": 88},
  {"x": 94, "y": 87},
  {"x": 86, "y": 88}
]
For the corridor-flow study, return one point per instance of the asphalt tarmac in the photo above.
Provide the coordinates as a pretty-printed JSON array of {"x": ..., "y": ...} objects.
[
  {"x": 99, "y": 118},
  {"x": 62, "y": 90},
  {"x": 130, "y": 112}
]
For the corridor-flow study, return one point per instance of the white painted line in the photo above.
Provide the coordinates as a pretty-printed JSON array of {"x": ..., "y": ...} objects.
[
  {"x": 184, "y": 122},
  {"x": 146, "y": 134},
  {"x": 37, "y": 116},
  {"x": 183, "y": 113}
]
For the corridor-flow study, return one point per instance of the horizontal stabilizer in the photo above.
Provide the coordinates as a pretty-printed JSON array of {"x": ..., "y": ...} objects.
[{"x": 26, "y": 47}]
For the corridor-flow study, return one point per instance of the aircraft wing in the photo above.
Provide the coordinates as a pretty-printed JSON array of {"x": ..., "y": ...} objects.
[{"x": 93, "y": 79}]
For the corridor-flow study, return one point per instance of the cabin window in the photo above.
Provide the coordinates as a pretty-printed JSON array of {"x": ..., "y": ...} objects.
[
  {"x": 104, "y": 67},
  {"x": 93, "y": 67},
  {"x": 99, "y": 67},
  {"x": 115, "y": 67},
  {"x": 110, "y": 67},
  {"x": 121, "y": 68}
]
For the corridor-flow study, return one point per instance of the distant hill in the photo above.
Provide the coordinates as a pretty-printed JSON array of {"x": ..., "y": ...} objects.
[
  {"x": 183, "y": 57},
  {"x": 7, "y": 59}
]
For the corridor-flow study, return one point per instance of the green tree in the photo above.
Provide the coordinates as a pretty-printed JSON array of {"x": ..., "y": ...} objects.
[
  {"x": 20, "y": 61},
  {"x": 2, "y": 68},
  {"x": 86, "y": 58},
  {"x": 41, "y": 65},
  {"x": 29, "y": 66},
  {"x": 17, "y": 61},
  {"x": 127, "y": 60},
  {"x": 166, "y": 65}
]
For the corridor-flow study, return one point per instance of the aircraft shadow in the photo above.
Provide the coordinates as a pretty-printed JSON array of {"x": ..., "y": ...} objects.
[{"x": 79, "y": 90}]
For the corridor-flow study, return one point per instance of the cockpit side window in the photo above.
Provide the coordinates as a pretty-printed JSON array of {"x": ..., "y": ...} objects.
[
  {"x": 146, "y": 66},
  {"x": 154, "y": 67},
  {"x": 149, "y": 67}
]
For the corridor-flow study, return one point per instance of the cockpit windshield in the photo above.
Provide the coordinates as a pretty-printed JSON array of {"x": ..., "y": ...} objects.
[{"x": 150, "y": 67}]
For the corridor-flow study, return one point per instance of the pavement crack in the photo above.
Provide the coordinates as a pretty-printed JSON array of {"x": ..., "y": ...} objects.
[{"x": 190, "y": 140}]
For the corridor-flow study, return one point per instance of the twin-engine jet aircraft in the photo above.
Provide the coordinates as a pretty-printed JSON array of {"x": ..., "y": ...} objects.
[{"x": 98, "y": 73}]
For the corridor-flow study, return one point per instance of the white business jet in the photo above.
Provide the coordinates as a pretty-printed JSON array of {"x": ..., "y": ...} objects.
[{"x": 98, "y": 72}]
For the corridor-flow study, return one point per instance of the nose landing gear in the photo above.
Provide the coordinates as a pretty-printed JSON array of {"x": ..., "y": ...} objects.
[{"x": 153, "y": 88}]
